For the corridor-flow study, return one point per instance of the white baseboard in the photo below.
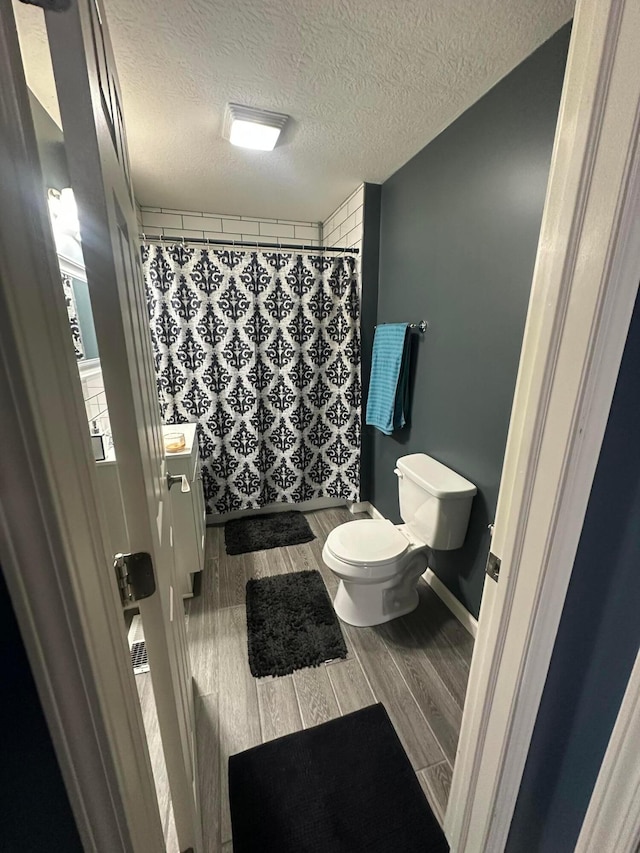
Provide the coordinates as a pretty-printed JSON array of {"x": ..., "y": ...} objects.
[
  {"x": 468, "y": 622},
  {"x": 306, "y": 506},
  {"x": 373, "y": 512},
  {"x": 360, "y": 506}
]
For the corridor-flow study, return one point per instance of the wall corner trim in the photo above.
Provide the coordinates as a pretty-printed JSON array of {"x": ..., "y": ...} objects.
[
  {"x": 468, "y": 622},
  {"x": 359, "y": 506},
  {"x": 365, "y": 506}
]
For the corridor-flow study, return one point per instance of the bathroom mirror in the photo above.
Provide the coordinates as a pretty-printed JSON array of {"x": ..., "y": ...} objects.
[
  {"x": 73, "y": 278},
  {"x": 64, "y": 223},
  {"x": 78, "y": 302}
]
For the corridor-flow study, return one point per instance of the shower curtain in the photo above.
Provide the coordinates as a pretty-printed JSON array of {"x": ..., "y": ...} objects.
[
  {"x": 72, "y": 312},
  {"x": 262, "y": 350}
]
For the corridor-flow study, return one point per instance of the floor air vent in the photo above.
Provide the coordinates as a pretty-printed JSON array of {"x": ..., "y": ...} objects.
[{"x": 139, "y": 658}]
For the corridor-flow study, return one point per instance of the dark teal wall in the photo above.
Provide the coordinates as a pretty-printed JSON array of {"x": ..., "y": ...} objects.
[
  {"x": 50, "y": 141},
  {"x": 597, "y": 640},
  {"x": 458, "y": 237},
  {"x": 85, "y": 318}
]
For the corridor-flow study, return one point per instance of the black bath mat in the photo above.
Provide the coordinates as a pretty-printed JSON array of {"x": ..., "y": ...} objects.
[
  {"x": 271, "y": 530},
  {"x": 345, "y": 786},
  {"x": 291, "y": 624}
]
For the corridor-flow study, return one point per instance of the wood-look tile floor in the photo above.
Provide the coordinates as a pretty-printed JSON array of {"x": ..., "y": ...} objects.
[{"x": 417, "y": 666}]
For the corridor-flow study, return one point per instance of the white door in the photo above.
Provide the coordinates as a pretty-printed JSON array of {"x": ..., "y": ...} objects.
[{"x": 96, "y": 149}]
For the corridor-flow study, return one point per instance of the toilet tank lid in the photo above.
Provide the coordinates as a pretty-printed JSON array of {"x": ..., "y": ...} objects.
[{"x": 434, "y": 477}]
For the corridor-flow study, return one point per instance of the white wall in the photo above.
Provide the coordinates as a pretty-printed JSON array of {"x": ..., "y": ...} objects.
[{"x": 222, "y": 226}]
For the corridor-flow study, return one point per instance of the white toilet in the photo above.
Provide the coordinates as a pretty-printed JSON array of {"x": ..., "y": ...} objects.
[{"x": 379, "y": 563}]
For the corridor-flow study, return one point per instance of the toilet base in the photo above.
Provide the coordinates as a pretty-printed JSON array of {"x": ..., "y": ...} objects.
[{"x": 364, "y": 605}]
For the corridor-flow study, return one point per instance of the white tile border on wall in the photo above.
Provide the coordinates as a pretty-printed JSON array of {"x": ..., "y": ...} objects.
[
  {"x": 222, "y": 226},
  {"x": 95, "y": 401},
  {"x": 345, "y": 226}
]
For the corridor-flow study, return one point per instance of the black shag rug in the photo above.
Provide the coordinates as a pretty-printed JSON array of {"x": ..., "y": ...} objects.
[
  {"x": 291, "y": 624},
  {"x": 271, "y": 530},
  {"x": 345, "y": 786}
]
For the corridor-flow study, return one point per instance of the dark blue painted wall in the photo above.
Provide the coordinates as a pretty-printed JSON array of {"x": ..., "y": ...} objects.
[
  {"x": 35, "y": 815},
  {"x": 458, "y": 238},
  {"x": 597, "y": 641}
]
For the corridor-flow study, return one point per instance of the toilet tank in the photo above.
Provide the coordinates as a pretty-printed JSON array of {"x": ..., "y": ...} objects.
[{"x": 435, "y": 501}]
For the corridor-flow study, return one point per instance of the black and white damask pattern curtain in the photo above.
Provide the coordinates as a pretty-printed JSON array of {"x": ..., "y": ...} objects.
[
  {"x": 72, "y": 312},
  {"x": 262, "y": 350}
]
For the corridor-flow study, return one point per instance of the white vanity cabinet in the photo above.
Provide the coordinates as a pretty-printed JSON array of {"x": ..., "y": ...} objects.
[{"x": 188, "y": 509}]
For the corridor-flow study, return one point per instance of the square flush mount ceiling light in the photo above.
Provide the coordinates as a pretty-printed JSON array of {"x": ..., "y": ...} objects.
[{"x": 251, "y": 128}]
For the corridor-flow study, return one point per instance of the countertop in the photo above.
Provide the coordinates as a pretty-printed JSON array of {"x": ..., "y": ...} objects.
[{"x": 189, "y": 431}]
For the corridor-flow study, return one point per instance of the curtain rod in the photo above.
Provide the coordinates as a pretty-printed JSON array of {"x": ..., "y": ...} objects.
[{"x": 246, "y": 244}]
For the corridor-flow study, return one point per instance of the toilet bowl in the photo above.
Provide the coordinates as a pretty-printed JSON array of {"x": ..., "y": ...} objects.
[{"x": 379, "y": 563}]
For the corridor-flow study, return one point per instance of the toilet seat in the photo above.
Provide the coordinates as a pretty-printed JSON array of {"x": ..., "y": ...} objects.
[{"x": 370, "y": 542}]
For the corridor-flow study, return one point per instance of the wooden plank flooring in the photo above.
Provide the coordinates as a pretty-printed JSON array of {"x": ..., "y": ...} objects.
[
  {"x": 209, "y": 776},
  {"x": 316, "y": 698},
  {"x": 390, "y": 688},
  {"x": 278, "y": 707},
  {"x": 350, "y": 685},
  {"x": 436, "y": 784},
  {"x": 158, "y": 766},
  {"x": 417, "y": 666},
  {"x": 238, "y": 709}
]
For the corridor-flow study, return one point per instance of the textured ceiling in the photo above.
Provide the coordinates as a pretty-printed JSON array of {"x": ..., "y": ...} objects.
[{"x": 367, "y": 83}]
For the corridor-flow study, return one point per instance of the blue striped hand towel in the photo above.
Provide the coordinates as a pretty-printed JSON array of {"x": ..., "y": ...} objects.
[{"x": 389, "y": 382}]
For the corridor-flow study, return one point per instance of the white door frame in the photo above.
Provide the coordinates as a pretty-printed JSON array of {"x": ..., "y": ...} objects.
[
  {"x": 53, "y": 547},
  {"x": 584, "y": 288}
]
